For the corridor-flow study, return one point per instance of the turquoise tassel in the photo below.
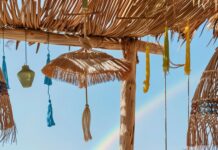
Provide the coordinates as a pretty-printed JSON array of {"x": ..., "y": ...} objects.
[
  {"x": 50, "y": 119},
  {"x": 5, "y": 72},
  {"x": 48, "y": 80}
]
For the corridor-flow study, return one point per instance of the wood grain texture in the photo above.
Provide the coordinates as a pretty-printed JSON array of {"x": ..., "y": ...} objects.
[
  {"x": 127, "y": 106},
  {"x": 34, "y": 36}
]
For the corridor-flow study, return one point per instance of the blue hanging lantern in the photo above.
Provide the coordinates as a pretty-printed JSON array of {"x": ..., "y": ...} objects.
[{"x": 48, "y": 80}]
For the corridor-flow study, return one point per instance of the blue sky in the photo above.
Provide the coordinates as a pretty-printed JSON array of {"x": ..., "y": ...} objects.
[{"x": 30, "y": 105}]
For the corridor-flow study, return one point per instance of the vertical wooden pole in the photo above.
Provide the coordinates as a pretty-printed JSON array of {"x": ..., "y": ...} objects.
[{"x": 127, "y": 106}]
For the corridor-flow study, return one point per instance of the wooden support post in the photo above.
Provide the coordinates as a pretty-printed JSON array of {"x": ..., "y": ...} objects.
[{"x": 127, "y": 106}]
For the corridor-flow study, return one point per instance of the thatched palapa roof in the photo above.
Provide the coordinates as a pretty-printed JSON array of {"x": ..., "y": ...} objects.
[{"x": 108, "y": 19}]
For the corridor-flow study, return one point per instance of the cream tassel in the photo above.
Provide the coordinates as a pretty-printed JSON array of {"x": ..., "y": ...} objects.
[
  {"x": 86, "y": 123},
  {"x": 86, "y": 120}
]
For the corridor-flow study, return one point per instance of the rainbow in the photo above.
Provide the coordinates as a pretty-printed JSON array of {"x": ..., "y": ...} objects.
[{"x": 145, "y": 110}]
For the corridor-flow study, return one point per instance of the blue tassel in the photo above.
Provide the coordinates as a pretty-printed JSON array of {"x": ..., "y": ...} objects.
[
  {"x": 48, "y": 80},
  {"x": 50, "y": 119},
  {"x": 5, "y": 72}
]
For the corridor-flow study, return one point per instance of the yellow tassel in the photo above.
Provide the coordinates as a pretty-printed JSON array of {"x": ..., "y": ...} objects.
[
  {"x": 166, "y": 59},
  {"x": 187, "y": 67},
  {"x": 147, "y": 81}
]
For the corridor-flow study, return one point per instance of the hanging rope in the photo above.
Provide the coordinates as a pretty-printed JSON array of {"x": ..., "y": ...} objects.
[
  {"x": 26, "y": 61},
  {"x": 165, "y": 102},
  {"x": 3, "y": 41},
  {"x": 48, "y": 80},
  {"x": 188, "y": 97}
]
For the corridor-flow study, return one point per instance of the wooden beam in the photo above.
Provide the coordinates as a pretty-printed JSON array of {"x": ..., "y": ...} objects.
[
  {"x": 35, "y": 36},
  {"x": 127, "y": 104}
]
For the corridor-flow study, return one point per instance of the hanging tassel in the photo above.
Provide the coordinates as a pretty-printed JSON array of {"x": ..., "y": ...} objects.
[
  {"x": 48, "y": 80},
  {"x": 50, "y": 120},
  {"x": 7, "y": 125},
  {"x": 147, "y": 81},
  {"x": 86, "y": 120},
  {"x": 166, "y": 59},
  {"x": 5, "y": 72},
  {"x": 187, "y": 68}
]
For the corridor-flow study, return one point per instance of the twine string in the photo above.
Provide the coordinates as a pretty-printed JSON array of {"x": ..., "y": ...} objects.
[
  {"x": 165, "y": 111},
  {"x": 26, "y": 61},
  {"x": 188, "y": 98},
  {"x": 49, "y": 95},
  {"x": 3, "y": 34},
  {"x": 3, "y": 41},
  {"x": 48, "y": 45},
  {"x": 86, "y": 89}
]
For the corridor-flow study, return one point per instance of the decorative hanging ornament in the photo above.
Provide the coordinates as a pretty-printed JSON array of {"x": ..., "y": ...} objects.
[
  {"x": 96, "y": 66},
  {"x": 203, "y": 121},
  {"x": 26, "y": 75},
  {"x": 86, "y": 119},
  {"x": 86, "y": 67},
  {"x": 7, "y": 124},
  {"x": 166, "y": 57},
  {"x": 4, "y": 65},
  {"x": 50, "y": 120},
  {"x": 187, "y": 66},
  {"x": 48, "y": 82},
  {"x": 147, "y": 81}
]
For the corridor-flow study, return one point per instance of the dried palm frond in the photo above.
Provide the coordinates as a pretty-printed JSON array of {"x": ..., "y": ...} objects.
[
  {"x": 203, "y": 122},
  {"x": 96, "y": 66},
  {"x": 110, "y": 18}
]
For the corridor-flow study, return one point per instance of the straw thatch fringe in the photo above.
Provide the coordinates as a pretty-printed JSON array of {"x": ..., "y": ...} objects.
[
  {"x": 100, "y": 67},
  {"x": 7, "y": 125},
  {"x": 203, "y": 123}
]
